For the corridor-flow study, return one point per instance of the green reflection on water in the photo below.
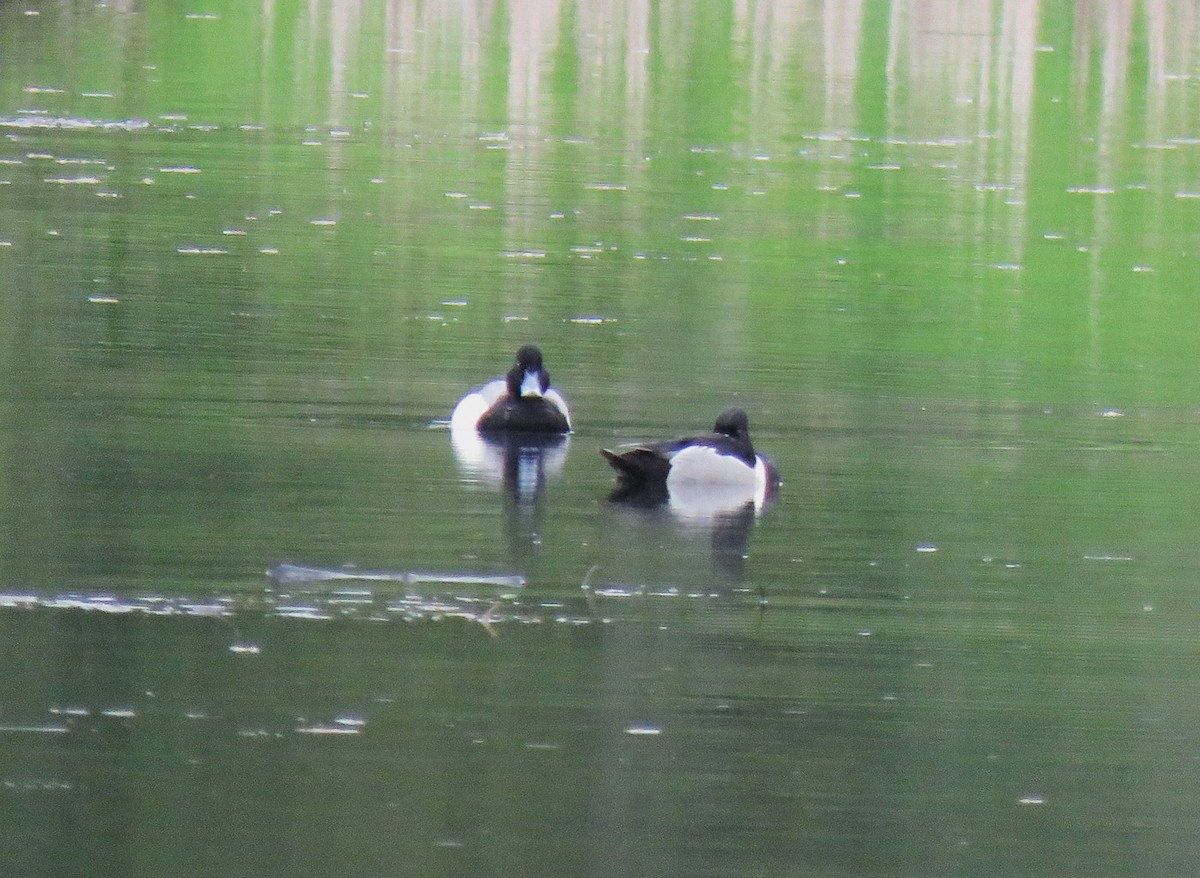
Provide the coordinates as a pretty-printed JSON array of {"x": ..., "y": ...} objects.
[{"x": 250, "y": 257}]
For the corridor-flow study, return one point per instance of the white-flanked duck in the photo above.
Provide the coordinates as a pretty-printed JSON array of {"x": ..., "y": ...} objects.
[
  {"x": 700, "y": 475},
  {"x": 522, "y": 402}
]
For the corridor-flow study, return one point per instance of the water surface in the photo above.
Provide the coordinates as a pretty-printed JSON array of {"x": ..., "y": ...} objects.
[{"x": 250, "y": 257}]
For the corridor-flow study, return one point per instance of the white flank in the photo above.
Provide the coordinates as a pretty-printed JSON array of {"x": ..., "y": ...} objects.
[
  {"x": 699, "y": 464},
  {"x": 555, "y": 399},
  {"x": 703, "y": 483},
  {"x": 760, "y": 482},
  {"x": 473, "y": 406}
]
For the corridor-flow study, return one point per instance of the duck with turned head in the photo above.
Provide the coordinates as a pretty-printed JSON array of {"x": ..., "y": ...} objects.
[
  {"x": 522, "y": 402},
  {"x": 712, "y": 471}
]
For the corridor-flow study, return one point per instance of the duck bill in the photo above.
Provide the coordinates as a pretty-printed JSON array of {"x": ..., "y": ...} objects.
[{"x": 531, "y": 384}]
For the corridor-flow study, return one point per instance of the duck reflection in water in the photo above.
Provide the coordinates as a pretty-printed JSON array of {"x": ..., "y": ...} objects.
[
  {"x": 519, "y": 466},
  {"x": 715, "y": 482},
  {"x": 512, "y": 434}
]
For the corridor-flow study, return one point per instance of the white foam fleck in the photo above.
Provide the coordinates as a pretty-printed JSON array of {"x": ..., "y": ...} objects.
[
  {"x": 321, "y": 729},
  {"x": 591, "y": 320},
  {"x": 43, "y": 729}
]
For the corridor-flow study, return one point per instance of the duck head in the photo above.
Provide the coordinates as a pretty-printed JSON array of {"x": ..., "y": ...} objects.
[{"x": 527, "y": 377}]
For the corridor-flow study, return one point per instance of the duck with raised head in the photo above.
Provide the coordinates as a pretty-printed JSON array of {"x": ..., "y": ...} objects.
[
  {"x": 719, "y": 469},
  {"x": 521, "y": 402}
]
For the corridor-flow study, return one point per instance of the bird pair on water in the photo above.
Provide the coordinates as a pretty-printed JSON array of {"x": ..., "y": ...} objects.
[{"x": 524, "y": 403}]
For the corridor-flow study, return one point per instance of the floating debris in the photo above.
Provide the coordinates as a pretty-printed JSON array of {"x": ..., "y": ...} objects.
[
  {"x": 327, "y": 730},
  {"x": 282, "y": 572},
  {"x": 72, "y": 123},
  {"x": 643, "y": 731},
  {"x": 295, "y": 594},
  {"x": 591, "y": 320}
]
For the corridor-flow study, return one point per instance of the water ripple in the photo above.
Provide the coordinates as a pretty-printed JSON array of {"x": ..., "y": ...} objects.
[{"x": 73, "y": 123}]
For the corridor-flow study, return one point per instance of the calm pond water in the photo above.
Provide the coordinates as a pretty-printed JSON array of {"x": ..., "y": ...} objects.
[{"x": 257, "y": 617}]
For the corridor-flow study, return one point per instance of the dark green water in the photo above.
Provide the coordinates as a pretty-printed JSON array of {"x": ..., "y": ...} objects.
[{"x": 943, "y": 254}]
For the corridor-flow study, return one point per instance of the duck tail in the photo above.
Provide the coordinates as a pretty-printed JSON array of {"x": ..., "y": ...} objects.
[{"x": 637, "y": 466}]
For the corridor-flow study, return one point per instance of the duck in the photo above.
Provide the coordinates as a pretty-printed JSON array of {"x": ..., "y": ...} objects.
[
  {"x": 716, "y": 471},
  {"x": 521, "y": 402}
]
